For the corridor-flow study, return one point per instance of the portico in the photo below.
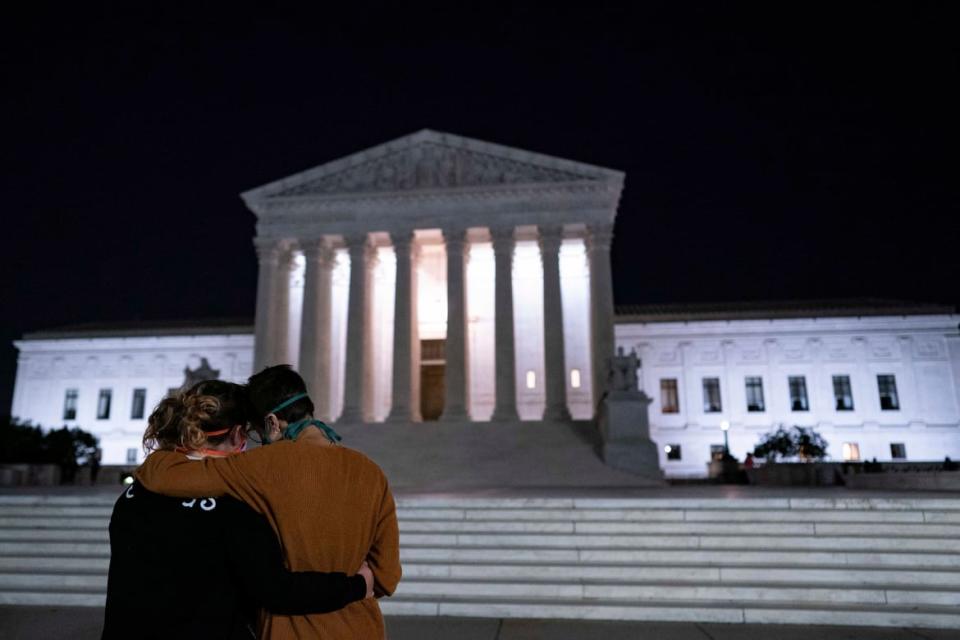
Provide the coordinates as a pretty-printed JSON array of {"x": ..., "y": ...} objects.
[{"x": 437, "y": 266}]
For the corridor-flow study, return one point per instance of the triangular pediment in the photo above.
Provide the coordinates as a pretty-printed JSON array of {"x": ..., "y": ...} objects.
[{"x": 430, "y": 160}]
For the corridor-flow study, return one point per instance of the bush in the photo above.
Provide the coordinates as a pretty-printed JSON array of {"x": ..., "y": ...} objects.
[
  {"x": 25, "y": 443},
  {"x": 802, "y": 443}
]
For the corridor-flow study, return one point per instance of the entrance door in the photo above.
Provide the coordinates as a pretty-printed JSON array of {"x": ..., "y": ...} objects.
[{"x": 431, "y": 391}]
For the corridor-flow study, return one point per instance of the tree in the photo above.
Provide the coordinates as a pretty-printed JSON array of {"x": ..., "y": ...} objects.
[
  {"x": 21, "y": 442},
  {"x": 797, "y": 442}
]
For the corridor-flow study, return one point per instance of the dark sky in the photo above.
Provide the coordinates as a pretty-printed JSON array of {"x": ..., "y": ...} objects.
[{"x": 772, "y": 150}]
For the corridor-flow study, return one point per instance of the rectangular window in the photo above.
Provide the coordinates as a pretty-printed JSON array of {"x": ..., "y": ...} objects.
[
  {"x": 103, "y": 404},
  {"x": 754, "y": 394},
  {"x": 70, "y": 404},
  {"x": 716, "y": 452},
  {"x": 798, "y": 394},
  {"x": 851, "y": 452},
  {"x": 669, "y": 399},
  {"x": 131, "y": 456},
  {"x": 711, "y": 395},
  {"x": 672, "y": 451},
  {"x": 139, "y": 404},
  {"x": 898, "y": 451},
  {"x": 889, "y": 400},
  {"x": 842, "y": 393}
]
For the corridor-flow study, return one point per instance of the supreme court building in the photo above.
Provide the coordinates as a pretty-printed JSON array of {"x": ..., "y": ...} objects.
[
  {"x": 437, "y": 277},
  {"x": 449, "y": 303}
]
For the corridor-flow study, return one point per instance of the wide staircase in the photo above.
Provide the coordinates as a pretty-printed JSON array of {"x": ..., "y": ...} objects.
[{"x": 865, "y": 562}]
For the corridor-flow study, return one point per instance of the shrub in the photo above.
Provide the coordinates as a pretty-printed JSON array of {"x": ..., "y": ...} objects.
[
  {"x": 21, "y": 442},
  {"x": 802, "y": 443}
]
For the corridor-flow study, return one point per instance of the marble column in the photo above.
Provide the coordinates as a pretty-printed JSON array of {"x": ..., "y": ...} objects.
[
  {"x": 555, "y": 383},
  {"x": 599, "y": 238},
  {"x": 281, "y": 307},
  {"x": 403, "y": 404},
  {"x": 455, "y": 369},
  {"x": 268, "y": 256},
  {"x": 353, "y": 394},
  {"x": 315, "y": 331},
  {"x": 505, "y": 409}
]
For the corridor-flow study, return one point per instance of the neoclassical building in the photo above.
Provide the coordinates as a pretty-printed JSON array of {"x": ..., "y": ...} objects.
[
  {"x": 438, "y": 277},
  {"x": 450, "y": 304}
]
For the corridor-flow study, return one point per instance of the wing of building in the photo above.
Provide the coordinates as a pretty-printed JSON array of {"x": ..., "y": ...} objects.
[{"x": 439, "y": 278}]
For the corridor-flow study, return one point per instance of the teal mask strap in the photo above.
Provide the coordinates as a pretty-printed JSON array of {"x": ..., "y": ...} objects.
[
  {"x": 293, "y": 430},
  {"x": 286, "y": 403}
]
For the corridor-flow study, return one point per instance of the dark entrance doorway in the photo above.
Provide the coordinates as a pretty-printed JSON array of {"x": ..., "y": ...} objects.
[{"x": 431, "y": 378}]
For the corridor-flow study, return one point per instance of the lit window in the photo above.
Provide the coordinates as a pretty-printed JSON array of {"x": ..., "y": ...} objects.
[
  {"x": 889, "y": 400},
  {"x": 754, "y": 394},
  {"x": 139, "y": 404},
  {"x": 672, "y": 451},
  {"x": 574, "y": 378},
  {"x": 70, "y": 404},
  {"x": 898, "y": 451},
  {"x": 103, "y": 404},
  {"x": 131, "y": 456},
  {"x": 531, "y": 379},
  {"x": 842, "y": 393},
  {"x": 669, "y": 398},
  {"x": 851, "y": 451},
  {"x": 711, "y": 395},
  {"x": 798, "y": 394}
]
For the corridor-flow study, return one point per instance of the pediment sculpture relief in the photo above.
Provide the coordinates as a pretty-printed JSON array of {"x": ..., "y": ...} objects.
[{"x": 429, "y": 166}]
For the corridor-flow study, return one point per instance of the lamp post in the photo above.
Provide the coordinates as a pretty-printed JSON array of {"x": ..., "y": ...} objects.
[{"x": 725, "y": 427}]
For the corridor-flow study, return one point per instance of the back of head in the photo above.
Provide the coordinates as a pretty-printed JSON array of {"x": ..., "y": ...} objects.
[
  {"x": 273, "y": 386},
  {"x": 198, "y": 416}
]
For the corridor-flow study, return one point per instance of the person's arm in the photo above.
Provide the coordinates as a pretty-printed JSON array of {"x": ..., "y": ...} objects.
[
  {"x": 173, "y": 474},
  {"x": 384, "y": 555},
  {"x": 257, "y": 563}
]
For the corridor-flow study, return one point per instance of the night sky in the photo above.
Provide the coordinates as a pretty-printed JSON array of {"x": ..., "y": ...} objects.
[{"x": 772, "y": 150}]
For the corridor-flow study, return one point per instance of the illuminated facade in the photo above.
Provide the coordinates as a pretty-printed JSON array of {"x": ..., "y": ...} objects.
[
  {"x": 441, "y": 278},
  {"x": 437, "y": 279}
]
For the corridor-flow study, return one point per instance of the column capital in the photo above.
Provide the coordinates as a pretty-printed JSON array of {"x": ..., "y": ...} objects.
[
  {"x": 550, "y": 238},
  {"x": 599, "y": 236},
  {"x": 504, "y": 239},
  {"x": 402, "y": 239},
  {"x": 318, "y": 251},
  {"x": 455, "y": 237},
  {"x": 356, "y": 241},
  {"x": 268, "y": 249}
]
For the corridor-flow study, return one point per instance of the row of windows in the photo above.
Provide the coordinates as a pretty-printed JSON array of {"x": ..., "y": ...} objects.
[
  {"x": 104, "y": 400},
  {"x": 850, "y": 451},
  {"x": 797, "y": 387}
]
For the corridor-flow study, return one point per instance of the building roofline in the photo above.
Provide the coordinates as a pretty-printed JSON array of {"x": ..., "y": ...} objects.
[
  {"x": 208, "y": 326},
  {"x": 776, "y": 310}
]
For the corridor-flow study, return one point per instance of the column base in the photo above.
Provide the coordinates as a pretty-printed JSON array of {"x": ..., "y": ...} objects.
[
  {"x": 460, "y": 415},
  {"x": 557, "y": 414},
  {"x": 401, "y": 415},
  {"x": 505, "y": 414},
  {"x": 351, "y": 416}
]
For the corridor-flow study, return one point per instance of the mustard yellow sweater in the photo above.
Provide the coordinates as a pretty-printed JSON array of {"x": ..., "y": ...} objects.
[{"x": 330, "y": 506}]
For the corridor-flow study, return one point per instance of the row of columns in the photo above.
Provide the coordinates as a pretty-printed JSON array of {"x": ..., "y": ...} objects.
[{"x": 315, "y": 344}]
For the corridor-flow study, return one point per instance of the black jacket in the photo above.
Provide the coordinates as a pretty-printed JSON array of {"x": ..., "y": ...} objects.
[{"x": 201, "y": 568}]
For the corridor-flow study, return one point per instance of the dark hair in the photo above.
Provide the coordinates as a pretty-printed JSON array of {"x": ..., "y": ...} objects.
[
  {"x": 184, "y": 417},
  {"x": 272, "y": 387}
]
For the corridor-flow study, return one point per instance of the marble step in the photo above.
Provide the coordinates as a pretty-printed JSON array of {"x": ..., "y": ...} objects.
[
  {"x": 705, "y": 574},
  {"x": 673, "y": 611},
  {"x": 578, "y": 590},
  {"x": 667, "y": 503},
  {"x": 571, "y": 552}
]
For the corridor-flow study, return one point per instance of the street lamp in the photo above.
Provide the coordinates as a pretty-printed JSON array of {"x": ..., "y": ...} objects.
[{"x": 725, "y": 427}]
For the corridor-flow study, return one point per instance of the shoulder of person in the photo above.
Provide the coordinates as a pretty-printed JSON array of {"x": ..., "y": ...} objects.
[{"x": 359, "y": 459}]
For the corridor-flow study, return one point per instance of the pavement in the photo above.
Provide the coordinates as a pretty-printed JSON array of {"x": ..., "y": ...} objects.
[{"x": 84, "y": 623}]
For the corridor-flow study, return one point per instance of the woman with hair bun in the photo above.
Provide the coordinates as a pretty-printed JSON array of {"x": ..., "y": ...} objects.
[{"x": 204, "y": 567}]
